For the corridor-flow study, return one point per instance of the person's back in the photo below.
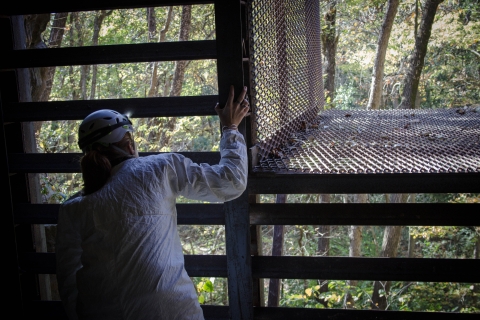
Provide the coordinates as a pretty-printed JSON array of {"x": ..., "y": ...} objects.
[{"x": 118, "y": 247}]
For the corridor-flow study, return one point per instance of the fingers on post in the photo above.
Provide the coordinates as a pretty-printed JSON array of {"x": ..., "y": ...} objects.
[
  {"x": 242, "y": 94},
  {"x": 231, "y": 94},
  {"x": 217, "y": 108}
]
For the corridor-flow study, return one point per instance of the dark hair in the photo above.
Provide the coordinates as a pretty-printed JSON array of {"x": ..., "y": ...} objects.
[{"x": 98, "y": 162}]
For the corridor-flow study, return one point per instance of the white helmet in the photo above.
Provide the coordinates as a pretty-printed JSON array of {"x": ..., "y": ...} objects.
[{"x": 104, "y": 126}]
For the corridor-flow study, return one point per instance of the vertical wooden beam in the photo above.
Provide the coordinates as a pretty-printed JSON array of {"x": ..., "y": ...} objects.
[
  {"x": 256, "y": 243},
  {"x": 229, "y": 37},
  {"x": 14, "y": 296},
  {"x": 256, "y": 249},
  {"x": 30, "y": 146},
  {"x": 7, "y": 83}
]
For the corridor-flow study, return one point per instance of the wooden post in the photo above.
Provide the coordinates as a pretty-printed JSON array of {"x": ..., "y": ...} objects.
[{"x": 229, "y": 37}]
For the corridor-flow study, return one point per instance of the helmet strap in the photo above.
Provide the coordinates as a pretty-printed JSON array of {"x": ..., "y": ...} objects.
[{"x": 120, "y": 150}]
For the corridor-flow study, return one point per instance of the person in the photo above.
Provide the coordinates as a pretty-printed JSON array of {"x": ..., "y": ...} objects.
[{"x": 119, "y": 255}]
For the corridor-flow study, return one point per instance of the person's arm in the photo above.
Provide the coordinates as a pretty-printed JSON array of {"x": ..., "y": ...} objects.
[
  {"x": 228, "y": 179},
  {"x": 68, "y": 251}
]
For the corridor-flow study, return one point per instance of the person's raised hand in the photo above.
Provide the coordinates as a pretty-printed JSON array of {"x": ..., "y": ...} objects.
[{"x": 235, "y": 109}]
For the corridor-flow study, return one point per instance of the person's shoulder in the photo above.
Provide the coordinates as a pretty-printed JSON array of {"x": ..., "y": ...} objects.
[
  {"x": 73, "y": 198},
  {"x": 162, "y": 157}
]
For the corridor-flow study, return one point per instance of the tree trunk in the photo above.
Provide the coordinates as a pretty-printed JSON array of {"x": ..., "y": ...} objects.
[
  {"x": 323, "y": 249},
  {"x": 181, "y": 65},
  {"x": 355, "y": 250},
  {"x": 154, "y": 82},
  {"x": 412, "y": 76},
  {"x": 75, "y": 94},
  {"x": 84, "y": 76},
  {"x": 277, "y": 250},
  {"x": 42, "y": 92},
  {"x": 179, "y": 74},
  {"x": 35, "y": 24},
  {"x": 97, "y": 25},
  {"x": 391, "y": 239},
  {"x": 42, "y": 78},
  {"x": 329, "y": 45},
  {"x": 84, "y": 69},
  {"x": 376, "y": 88},
  {"x": 152, "y": 24}
]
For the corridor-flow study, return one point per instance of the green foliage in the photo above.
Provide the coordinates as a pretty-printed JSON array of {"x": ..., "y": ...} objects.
[
  {"x": 211, "y": 291},
  {"x": 417, "y": 296},
  {"x": 440, "y": 297}
]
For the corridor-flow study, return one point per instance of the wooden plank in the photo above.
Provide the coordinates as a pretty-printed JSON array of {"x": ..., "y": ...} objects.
[
  {"x": 28, "y": 213},
  {"x": 344, "y": 314},
  {"x": 228, "y": 20},
  {"x": 135, "y": 107},
  {"x": 53, "y": 310},
  {"x": 289, "y": 267},
  {"x": 49, "y": 6},
  {"x": 14, "y": 298},
  {"x": 44, "y": 309},
  {"x": 379, "y": 214},
  {"x": 367, "y": 214},
  {"x": 364, "y": 183},
  {"x": 187, "y": 214},
  {"x": 256, "y": 249},
  {"x": 211, "y": 312},
  {"x": 69, "y": 162},
  {"x": 109, "y": 54},
  {"x": 206, "y": 265},
  {"x": 196, "y": 265},
  {"x": 382, "y": 269}
]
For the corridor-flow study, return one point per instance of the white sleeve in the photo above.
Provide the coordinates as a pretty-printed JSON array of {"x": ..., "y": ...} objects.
[
  {"x": 68, "y": 251},
  {"x": 216, "y": 183}
]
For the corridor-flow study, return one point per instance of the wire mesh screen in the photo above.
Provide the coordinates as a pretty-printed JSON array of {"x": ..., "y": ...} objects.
[
  {"x": 286, "y": 69},
  {"x": 388, "y": 141}
]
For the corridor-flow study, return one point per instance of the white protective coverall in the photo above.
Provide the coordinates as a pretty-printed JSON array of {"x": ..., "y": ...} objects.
[{"x": 119, "y": 255}]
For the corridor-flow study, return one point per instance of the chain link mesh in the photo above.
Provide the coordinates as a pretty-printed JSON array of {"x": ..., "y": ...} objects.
[
  {"x": 383, "y": 141},
  {"x": 285, "y": 53}
]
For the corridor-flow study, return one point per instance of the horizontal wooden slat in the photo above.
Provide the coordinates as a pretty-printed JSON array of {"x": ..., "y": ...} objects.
[
  {"x": 206, "y": 265},
  {"x": 364, "y": 183},
  {"x": 42, "y": 309},
  {"x": 53, "y": 310},
  {"x": 196, "y": 265},
  {"x": 49, "y": 6},
  {"x": 271, "y": 313},
  {"x": 383, "y": 214},
  {"x": 69, "y": 162},
  {"x": 294, "y": 267},
  {"x": 135, "y": 107},
  {"x": 346, "y": 268},
  {"x": 27, "y": 213},
  {"x": 109, "y": 54},
  {"x": 379, "y": 214},
  {"x": 187, "y": 214}
]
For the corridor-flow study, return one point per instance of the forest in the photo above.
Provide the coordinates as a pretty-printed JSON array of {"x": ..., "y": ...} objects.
[{"x": 411, "y": 54}]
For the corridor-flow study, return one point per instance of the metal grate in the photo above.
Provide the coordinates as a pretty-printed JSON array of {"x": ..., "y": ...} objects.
[
  {"x": 387, "y": 141},
  {"x": 286, "y": 67}
]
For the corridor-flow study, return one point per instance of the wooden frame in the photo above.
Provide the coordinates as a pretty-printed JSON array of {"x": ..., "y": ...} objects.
[{"x": 242, "y": 264}]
